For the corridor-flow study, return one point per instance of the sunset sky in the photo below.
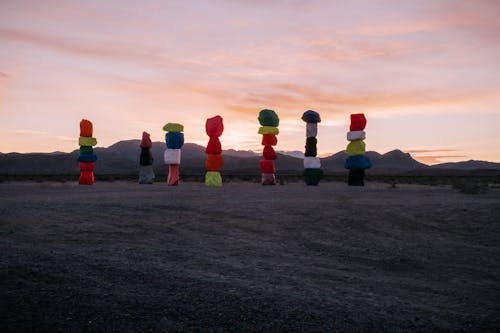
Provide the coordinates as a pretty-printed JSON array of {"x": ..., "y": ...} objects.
[{"x": 425, "y": 73}]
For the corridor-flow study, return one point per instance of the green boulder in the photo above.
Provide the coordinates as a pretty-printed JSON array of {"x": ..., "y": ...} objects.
[
  {"x": 312, "y": 176},
  {"x": 268, "y": 118},
  {"x": 213, "y": 178},
  {"x": 173, "y": 127}
]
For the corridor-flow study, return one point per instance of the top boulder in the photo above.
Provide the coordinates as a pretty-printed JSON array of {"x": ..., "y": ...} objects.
[
  {"x": 214, "y": 126},
  {"x": 173, "y": 127},
  {"x": 146, "y": 140},
  {"x": 311, "y": 116},
  {"x": 268, "y": 118},
  {"x": 358, "y": 122},
  {"x": 86, "y": 129}
]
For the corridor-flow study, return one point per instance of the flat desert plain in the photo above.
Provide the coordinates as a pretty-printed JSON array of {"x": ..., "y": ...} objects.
[{"x": 124, "y": 257}]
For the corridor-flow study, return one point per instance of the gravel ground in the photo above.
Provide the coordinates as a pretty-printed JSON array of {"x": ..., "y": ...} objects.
[{"x": 123, "y": 257}]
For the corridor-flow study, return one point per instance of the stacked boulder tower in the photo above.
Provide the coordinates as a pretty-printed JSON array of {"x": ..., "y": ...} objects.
[
  {"x": 87, "y": 157},
  {"x": 214, "y": 127},
  {"x": 356, "y": 160},
  {"x": 312, "y": 164},
  {"x": 269, "y": 122},
  {"x": 146, "y": 173},
  {"x": 174, "y": 139}
]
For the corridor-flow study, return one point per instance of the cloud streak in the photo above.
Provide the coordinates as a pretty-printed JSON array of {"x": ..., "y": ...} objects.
[
  {"x": 435, "y": 156},
  {"x": 245, "y": 99},
  {"x": 65, "y": 138},
  {"x": 61, "y": 45},
  {"x": 420, "y": 151},
  {"x": 297, "y": 97},
  {"x": 29, "y": 132},
  {"x": 436, "y": 159}
]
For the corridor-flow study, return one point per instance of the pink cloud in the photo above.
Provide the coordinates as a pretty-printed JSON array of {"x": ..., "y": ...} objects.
[
  {"x": 346, "y": 49},
  {"x": 4, "y": 78},
  {"x": 109, "y": 50},
  {"x": 478, "y": 17}
]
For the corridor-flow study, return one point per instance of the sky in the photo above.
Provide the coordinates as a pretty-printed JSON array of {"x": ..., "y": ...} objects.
[{"x": 425, "y": 73}]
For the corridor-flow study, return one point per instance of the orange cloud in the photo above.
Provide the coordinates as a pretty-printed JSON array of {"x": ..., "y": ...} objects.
[
  {"x": 246, "y": 99},
  {"x": 292, "y": 97},
  {"x": 247, "y": 112},
  {"x": 420, "y": 151},
  {"x": 436, "y": 155},
  {"x": 430, "y": 160}
]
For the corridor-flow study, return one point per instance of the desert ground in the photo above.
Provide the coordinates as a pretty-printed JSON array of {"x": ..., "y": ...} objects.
[{"x": 124, "y": 257}]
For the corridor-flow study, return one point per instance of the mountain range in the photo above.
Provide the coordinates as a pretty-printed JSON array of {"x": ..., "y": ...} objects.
[{"x": 123, "y": 158}]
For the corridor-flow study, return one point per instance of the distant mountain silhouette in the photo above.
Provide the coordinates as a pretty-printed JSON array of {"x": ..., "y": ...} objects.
[
  {"x": 240, "y": 153},
  {"x": 123, "y": 158},
  {"x": 394, "y": 161},
  {"x": 292, "y": 153},
  {"x": 468, "y": 165}
]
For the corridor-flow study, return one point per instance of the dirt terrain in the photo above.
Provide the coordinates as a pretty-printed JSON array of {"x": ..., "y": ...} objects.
[{"x": 123, "y": 257}]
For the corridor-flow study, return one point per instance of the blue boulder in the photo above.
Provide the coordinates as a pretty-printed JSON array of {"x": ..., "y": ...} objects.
[
  {"x": 87, "y": 158},
  {"x": 311, "y": 116},
  {"x": 174, "y": 140},
  {"x": 357, "y": 162}
]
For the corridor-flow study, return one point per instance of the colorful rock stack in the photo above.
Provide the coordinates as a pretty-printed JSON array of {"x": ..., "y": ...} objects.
[
  {"x": 87, "y": 157},
  {"x": 269, "y": 122},
  {"x": 312, "y": 164},
  {"x": 356, "y": 160},
  {"x": 146, "y": 173},
  {"x": 214, "y": 128},
  {"x": 174, "y": 138}
]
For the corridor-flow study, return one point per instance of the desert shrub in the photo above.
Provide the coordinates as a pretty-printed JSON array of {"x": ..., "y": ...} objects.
[
  {"x": 393, "y": 184},
  {"x": 470, "y": 186}
]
